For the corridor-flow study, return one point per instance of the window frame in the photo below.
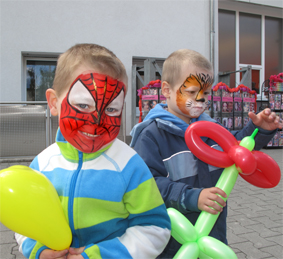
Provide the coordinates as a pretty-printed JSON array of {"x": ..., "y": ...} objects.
[
  {"x": 33, "y": 57},
  {"x": 260, "y": 67}
]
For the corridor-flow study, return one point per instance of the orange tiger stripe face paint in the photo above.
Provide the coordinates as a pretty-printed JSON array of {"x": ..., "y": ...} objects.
[
  {"x": 191, "y": 97},
  {"x": 91, "y": 111}
]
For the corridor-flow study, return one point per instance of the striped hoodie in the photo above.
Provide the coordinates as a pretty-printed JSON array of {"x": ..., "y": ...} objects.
[{"x": 109, "y": 198}]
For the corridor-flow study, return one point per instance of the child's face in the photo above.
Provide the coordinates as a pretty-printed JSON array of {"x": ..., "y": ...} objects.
[
  {"x": 189, "y": 96},
  {"x": 91, "y": 110}
]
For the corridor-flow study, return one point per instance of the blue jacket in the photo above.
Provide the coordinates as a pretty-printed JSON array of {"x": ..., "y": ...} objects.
[
  {"x": 109, "y": 198},
  {"x": 179, "y": 175}
]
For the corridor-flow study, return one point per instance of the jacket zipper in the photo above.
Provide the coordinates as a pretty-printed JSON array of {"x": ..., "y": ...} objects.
[{"x": 71, "y": 200}]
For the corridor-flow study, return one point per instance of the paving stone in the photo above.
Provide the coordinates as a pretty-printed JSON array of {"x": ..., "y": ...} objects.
[
  {"x": 241, "y": 255},
  {"x": 257, "y": 240},
  {"x": 3, "y": 228},
  {"x": 18, "y": 255},
  {"x": 250, "y": 251},
  {"x": 238, "y": 229},
  {"x": 243, "y": 220},
  {"x": 264, "y": 231},
  {"x": 7, "y": 237},
  {"x": 276, "y": 251},
  {"x": 271, "y": 214},
  {"x": 267, "y": 222},
  {"x": 5, "y": 251},
  {"x": 280, "y": 229},
  {"x": 232, "y": 238},
  {"x": 277, "y": 239}
]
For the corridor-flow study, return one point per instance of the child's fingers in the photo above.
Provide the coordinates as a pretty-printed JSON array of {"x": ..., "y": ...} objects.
[
  {"x": 217, "y": 190},
  {"x": 215, "y": 206},
  {"x": 52, "y": 254}
]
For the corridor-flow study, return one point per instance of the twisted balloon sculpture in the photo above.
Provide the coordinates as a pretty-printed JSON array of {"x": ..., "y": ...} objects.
[{"x": 255, "y": 167}]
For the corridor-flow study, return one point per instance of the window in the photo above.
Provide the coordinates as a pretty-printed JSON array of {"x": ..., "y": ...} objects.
[
  {"x": 39, "y": 75},
  {"x": 273, "y": 46},
  {"x": 249, "y": 39},
  {"x": 227, "y": 43}
]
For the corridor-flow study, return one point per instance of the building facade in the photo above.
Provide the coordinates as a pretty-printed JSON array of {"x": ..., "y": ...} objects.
[{"x": 34, "y": 33}]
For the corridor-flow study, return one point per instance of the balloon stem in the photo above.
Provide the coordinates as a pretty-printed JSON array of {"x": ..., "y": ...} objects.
[{"x": 254, "y": 133}]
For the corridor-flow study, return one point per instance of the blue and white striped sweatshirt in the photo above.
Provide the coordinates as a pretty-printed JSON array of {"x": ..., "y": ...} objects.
[{"x": 109, "y": 198}]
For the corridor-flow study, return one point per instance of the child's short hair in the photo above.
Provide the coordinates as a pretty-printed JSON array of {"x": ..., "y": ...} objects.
[
  {"x": 172, "y": 66},
  {"x": 96, "y": 56}
]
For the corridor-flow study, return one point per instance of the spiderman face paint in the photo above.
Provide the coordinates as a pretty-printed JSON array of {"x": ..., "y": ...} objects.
[
  {"x": 91, "y": 112},
  {"x": 191, "y": 97}
]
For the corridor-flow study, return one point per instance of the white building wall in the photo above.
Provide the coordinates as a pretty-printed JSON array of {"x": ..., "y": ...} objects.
[{"x": 128, "y": 28}]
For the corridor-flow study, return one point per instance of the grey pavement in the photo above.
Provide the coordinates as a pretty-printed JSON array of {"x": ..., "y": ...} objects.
[{"x": 255, "y": 220}]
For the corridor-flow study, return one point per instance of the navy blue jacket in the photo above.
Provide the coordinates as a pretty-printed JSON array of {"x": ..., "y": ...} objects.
[{"x": 181, "y": 176}]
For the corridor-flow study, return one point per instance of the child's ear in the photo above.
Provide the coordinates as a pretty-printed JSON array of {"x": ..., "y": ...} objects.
[
  {"x": 166, "y": 89},
  {"x": 52, "y": 100}
]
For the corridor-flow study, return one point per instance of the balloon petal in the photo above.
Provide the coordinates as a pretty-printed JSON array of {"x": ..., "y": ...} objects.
[
  {"x": 204, "y": 152},
  {"x": 181, "y": 228},
  {"x": 188, "y": 250},
  {"x": 267, "y": 174},
  {"x": 215, "y": 248},
  {"x": 202, "y": 255},
  {"x": 31, "y": 207}
]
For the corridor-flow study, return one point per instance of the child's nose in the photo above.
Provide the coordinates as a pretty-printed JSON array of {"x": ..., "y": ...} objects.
[{"x": 200, "y": 97}]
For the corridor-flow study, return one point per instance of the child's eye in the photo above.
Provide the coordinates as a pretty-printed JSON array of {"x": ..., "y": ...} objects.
[
  {"x": 109, "y": 110},
  {"x": 82, "y": 106},
  {"x": 81, "y": 98},
  {"x": 116, "y": 106}
]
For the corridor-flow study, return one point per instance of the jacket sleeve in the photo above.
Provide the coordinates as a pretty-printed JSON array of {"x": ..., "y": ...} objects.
[
  {"x": 149, "y": 225},
  {"x": 262, "y": 137},
  {"x": 174, "y": 194},
  {"x": 28, "y": 247}
]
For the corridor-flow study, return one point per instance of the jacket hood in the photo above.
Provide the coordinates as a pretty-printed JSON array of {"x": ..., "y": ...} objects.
[{"x": 160, "y": 114}]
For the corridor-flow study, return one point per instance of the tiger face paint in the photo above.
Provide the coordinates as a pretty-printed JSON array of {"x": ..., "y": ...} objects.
[
  {"x": 91, "y": 111},
  {"x": 191, "y": 97}
]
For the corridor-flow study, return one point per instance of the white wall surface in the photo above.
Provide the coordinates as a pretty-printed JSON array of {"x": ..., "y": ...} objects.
[{"x": 128, "y": 28}]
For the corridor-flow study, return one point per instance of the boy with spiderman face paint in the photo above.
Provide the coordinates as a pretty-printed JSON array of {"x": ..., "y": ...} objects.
[
  {"x": 108, "y": 194},
  {"x": 91, "y": 112},
  {"x": 185, "y": 182}
]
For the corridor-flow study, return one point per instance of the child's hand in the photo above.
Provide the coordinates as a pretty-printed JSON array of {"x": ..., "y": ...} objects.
[
  {"x": 75, "y": 253},
  {"x": 207, "y": 198},
  {"x": 52, "y": 254},
  {"x": 266, "y": 120}
]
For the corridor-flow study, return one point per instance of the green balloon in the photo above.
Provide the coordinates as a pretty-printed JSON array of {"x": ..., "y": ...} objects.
[
  {"x": 202, "y": 255},
  {"x": 226, "y": 182},
  {"x": 188, "y": 250},
  {"x": 181, "y": 228},
  {"x": 215, "y": 249},
  {"x": 249, "y": 142}
]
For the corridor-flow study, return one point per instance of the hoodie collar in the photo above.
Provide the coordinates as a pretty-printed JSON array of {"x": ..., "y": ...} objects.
[
  {"x": 71, "y": 154},
  {"x": 166, "y": 121}
]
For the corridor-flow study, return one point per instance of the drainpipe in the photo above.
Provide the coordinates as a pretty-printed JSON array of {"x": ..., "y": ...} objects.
[{"x": 213, "y": 46}]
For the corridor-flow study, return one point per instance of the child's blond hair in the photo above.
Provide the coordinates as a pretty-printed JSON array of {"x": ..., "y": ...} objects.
[
  {"x": 93, "y": 55},
  {"x": 172, "y": 67}
]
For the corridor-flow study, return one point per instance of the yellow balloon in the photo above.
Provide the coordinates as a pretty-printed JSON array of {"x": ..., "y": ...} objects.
[{"x": 30, "y": 206}]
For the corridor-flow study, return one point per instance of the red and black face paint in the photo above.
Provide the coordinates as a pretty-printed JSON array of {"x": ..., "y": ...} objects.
[{"x": 91, "y": 111}]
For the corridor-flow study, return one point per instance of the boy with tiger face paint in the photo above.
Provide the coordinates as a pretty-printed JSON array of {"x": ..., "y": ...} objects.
[
  {"x": 187, "y": 96},
  {"x": 192, "y": 94},
  {"x": 108, "y": 194},
  {"x": 186, "y": 183}
]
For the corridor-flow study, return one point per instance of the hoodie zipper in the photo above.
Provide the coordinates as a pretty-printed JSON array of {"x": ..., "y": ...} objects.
[{"x": 71, "y": 200}]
